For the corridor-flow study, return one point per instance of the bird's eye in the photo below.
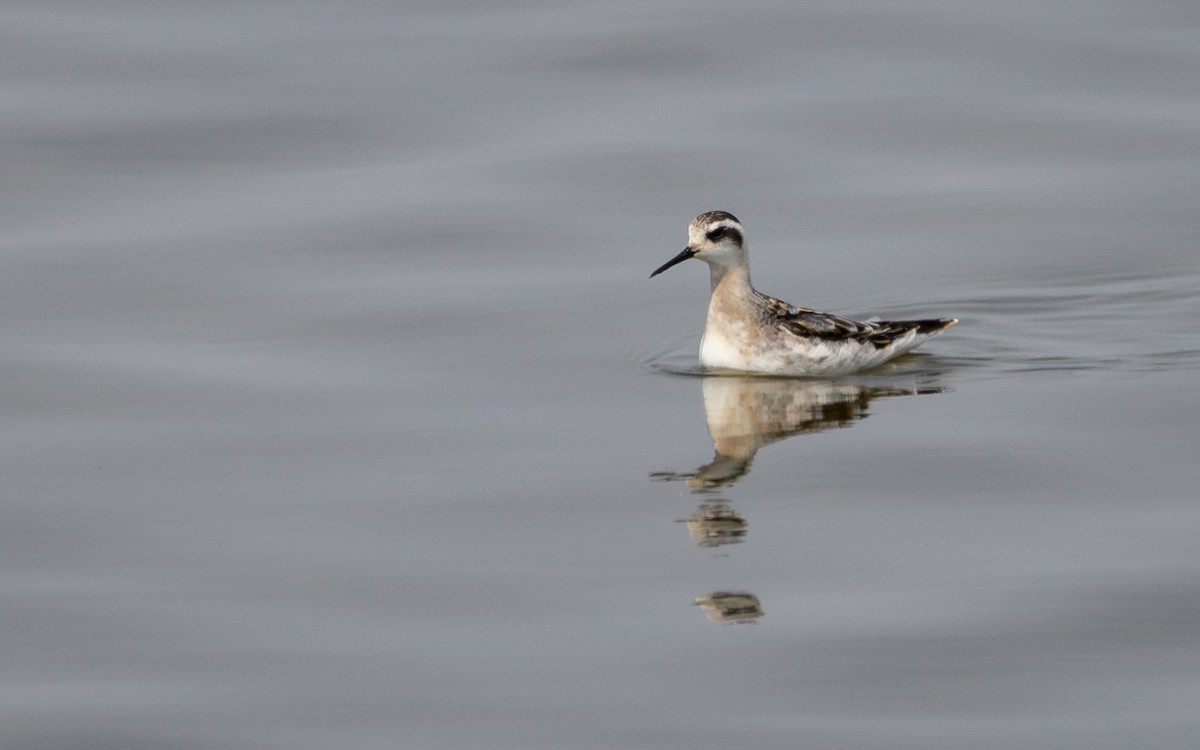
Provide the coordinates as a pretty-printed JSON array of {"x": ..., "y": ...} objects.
[{"x": 716, "y": 234}]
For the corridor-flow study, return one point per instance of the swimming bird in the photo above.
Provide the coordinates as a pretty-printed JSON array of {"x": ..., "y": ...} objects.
[{"x": 748, "y": 331}]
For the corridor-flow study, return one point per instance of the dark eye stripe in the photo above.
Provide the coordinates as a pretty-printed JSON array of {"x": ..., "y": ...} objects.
[{"x": 717, "y": 233}]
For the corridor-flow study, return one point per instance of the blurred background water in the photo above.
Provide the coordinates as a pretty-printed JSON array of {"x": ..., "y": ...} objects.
[{"x": 338, "y": 411}]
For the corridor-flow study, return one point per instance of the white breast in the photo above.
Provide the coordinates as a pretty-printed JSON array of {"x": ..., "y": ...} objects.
[{"x": 721, "y": 351}]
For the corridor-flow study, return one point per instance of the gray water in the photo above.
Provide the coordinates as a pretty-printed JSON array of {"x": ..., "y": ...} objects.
[{"x": 337, "y": 409}]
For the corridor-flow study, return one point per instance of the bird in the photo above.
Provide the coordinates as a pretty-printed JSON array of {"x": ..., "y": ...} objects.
[{"x": 750, "y": 332}]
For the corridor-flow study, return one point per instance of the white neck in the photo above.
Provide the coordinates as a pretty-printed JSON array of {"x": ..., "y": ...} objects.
[{"x": 732, "y": 279}]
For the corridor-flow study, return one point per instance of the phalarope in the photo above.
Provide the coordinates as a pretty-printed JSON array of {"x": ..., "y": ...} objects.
[{"x": 751, "y": 332}]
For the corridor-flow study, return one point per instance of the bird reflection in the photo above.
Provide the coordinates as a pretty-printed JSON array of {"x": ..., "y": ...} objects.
[
  {"x": 745, "y": 414},
  {"x": 730, "y": 606},
  {"x": 714, "y": 523}
]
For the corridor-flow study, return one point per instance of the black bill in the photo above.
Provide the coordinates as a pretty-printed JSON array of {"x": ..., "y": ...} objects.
[{"x": 687, "y": 253}]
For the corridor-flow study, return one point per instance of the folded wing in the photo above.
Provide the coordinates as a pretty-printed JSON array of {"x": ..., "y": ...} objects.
[{"x": 802, "y": 321}]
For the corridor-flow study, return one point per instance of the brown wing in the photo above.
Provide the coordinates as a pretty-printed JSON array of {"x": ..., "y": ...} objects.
[{"x": 802, "y": 321}]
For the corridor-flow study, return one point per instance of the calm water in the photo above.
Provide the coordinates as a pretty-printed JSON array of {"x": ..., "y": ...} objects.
[{"x": 338, "y": 411}]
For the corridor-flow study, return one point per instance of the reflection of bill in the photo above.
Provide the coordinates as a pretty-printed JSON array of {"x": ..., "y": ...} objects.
[
  {"x": 745, "y": 414},
  {"x": 730, "y": 606}
]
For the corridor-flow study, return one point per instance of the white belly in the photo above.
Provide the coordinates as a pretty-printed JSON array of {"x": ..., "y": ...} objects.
[{"x": 786, "y": 354}]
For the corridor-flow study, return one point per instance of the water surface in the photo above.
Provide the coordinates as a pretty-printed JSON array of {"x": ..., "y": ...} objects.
[{"x": 338, "y": 409}]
